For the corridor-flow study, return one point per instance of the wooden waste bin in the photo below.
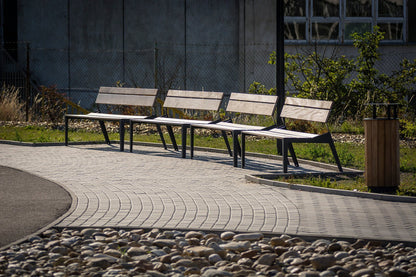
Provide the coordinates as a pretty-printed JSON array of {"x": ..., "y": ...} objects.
[{"x": 382, "y": 159}]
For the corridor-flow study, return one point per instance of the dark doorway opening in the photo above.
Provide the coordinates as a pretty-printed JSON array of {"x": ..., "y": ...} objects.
[{"x": 10, "y": 27}]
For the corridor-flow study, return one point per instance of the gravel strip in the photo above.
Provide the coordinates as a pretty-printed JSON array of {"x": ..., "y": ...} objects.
[{"x": 113, "y": 252}]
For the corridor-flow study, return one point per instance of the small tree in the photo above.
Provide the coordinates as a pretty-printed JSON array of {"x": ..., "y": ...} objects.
[{"x": 350, "y": 83}]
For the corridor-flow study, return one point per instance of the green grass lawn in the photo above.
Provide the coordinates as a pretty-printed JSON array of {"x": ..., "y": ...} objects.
[{"x": 351, "y": 155}]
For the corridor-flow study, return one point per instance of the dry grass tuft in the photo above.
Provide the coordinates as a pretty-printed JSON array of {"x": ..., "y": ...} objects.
[{"x": 11, "y": 107}]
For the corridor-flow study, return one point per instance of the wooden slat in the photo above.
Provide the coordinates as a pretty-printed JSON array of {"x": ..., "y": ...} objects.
[
  {"x": 305, "y": 113},
  {"x": 192, "y": 103},
  {"x": 320, "y": 104},
  {"x": 228, "y": 126},
  {"x": 193, "y": 100},
  {"x": 382, "y": 157},
  {"x": 130, "y": 91},
  {"x": 195, "y": 94},
  {"x": 251, "y": 108},
  {"x": 253, "y": 97},
  {"x": 252, "y": 103},
  {"x": 282, "y": 133},
  {"x": 290, "y": 133},
  {"x": 126, "y": 99}
]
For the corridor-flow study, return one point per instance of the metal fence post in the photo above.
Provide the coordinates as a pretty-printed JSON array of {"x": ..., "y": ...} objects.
[
  {"x": 155, "y": 68},
  {"x": 27, "y": 85}
]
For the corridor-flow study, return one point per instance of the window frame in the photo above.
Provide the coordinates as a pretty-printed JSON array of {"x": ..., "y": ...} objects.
[{"x": 309, "y": 20}]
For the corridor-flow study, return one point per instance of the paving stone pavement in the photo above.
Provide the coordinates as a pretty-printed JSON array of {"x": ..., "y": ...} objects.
[{"x": 153, "y": 187}]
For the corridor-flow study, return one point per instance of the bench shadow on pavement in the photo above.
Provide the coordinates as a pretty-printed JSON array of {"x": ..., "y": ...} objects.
[{"x": 263, "y": 165}]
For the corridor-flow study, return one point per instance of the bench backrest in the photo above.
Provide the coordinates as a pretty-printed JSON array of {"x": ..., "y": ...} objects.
[
  {"x": 252, "y": 103},
  {"x": 193, "y": 100},
  {"x": 145, "y": 97},
  {"x": 306, "y": 109}
]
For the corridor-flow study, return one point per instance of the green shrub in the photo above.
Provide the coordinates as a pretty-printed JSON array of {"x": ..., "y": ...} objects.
[
  {"x": 351, "y": 127},
  {"x": 258, "y": 88},
  {"x": 304, "y": 126},
  {"x": 351, "y": 83},
  {"x": 407, "y": 129}
]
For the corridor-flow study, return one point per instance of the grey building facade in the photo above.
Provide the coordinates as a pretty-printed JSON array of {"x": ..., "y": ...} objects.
[{"x": 216, "y": 45}]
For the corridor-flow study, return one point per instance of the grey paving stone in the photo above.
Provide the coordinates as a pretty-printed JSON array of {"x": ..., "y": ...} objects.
[{"x": 153, "y": 187}]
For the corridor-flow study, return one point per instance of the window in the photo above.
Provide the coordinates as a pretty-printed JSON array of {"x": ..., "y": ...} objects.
[
  {"x": 336, "y": 20},
  {"x": 351, "y": 27},
  {"x": 325, "y": 31},
  {"x": 358, "y": 8},
  {"x": 390, "y": 8},
  {"x": 295, "y": 27},
  {"x": 326, "y": 8}
]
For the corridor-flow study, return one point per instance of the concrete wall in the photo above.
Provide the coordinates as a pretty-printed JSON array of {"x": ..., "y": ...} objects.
[
  {"x": 201, "y": 44},
  {"x": 259, "y": 40},
  {"x": 46, "y": 30},
  {"x": 82, "y": 45}
]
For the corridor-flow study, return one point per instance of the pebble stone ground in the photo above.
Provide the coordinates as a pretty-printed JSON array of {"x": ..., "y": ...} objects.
[{"x": 155, "y": 188}]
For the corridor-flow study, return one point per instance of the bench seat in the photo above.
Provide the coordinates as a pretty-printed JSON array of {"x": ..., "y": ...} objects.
[
  {"x": 298, "y": 109},
  {"x": 227, "y": 126},
  {"x": 99, "y": 116},
  {"x": 254, "y": 104},
  {"x": 119, "y": 96},
  {"x": 185, "y": 100},
  {"x": 280, "y": 133}
]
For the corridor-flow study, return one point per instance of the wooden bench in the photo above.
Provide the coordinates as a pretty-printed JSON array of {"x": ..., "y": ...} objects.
[
  {"x": 245, "y": 103},
  {"x": 298, "y": 109},
  {"x": 117, "y": 96},
  {"x": 182, "y": 100}
]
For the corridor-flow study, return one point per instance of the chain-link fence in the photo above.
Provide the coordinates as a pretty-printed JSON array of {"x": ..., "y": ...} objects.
[
  {"x": 79, "y": 74},
  {"x": 209, "y": 67},
  {"x": 17, "y": 74}
]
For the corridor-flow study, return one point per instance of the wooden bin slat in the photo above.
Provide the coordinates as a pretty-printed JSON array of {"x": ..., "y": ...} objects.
[{"x": 382, "y": 158}]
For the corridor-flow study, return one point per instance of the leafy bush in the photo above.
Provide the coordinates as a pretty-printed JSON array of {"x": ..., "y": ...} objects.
[
  {"x": 407, "y": 129},
  {"x": 304, "y": 126},
  {"x": 350, "y": 83},
  {"x": 350, "y": 127},
  {"x": 258, "y": 88}
]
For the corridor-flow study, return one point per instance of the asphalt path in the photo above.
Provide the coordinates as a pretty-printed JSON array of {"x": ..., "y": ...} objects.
[{"x": 28, "y": 203}]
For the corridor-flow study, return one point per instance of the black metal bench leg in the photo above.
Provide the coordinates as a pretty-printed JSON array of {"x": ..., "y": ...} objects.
[
  {"x": 279, "y": 148},
  {"x": 236, "y": 147},
  {"x": 243, "y": 150},
  {"x": 334, "y": 152},
  {"x": 162, "y": 138},
  {"x": 66, "y": 131},
  {"x": 172, "y": 137},
  {"x": 292, "y": 153},
  {"x": 104, "y": 130},
  {"x": 192, "y": 141},
  {"x": 227, "y": 143},
  {"x": 284, "y": 153},
  {"x": 184, "y": 129},
  {"x": 131, "y": 136},
  {"x": 122, "y": 131}
]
